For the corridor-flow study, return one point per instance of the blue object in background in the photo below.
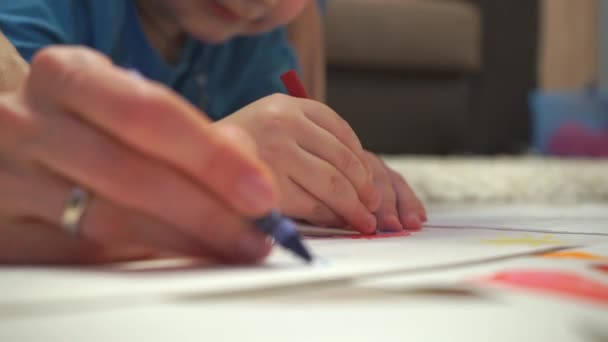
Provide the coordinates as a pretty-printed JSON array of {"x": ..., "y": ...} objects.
[{"x": 554, "y": 111}]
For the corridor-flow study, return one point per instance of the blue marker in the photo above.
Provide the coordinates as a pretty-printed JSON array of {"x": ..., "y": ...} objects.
[{"x": 284, "y": 231}]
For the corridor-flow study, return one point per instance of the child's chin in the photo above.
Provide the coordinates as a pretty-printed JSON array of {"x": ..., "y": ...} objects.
[
  {"x": 215, "y": 37},
  {"x": 221, "y": 36}
]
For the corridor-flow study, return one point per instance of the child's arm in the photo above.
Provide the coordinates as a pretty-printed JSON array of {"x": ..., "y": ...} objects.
[
  {"x": 399, "y": 206},
  {"x": 306, "y": 35}
]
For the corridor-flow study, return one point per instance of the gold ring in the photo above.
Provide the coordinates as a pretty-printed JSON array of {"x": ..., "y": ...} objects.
[{"x": 74, "y": 210}]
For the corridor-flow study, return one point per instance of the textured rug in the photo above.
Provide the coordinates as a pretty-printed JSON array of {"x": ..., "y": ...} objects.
[{"x": 505, "y": 179}]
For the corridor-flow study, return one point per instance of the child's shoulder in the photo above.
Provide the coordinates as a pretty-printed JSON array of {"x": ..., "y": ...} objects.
[{"x": 33, "y": 24}]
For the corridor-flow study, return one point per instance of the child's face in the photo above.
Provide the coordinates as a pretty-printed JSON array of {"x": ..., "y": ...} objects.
[{"x": 215, "y": 21}]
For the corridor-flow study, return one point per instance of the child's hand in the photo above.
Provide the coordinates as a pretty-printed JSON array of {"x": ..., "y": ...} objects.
[
  {"x": 399, "y": 208},
  {"x": 318, "y": 161}
]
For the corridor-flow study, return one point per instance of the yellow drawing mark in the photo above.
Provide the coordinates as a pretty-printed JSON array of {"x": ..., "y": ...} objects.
[
  {"x": 573, "y": 255},
  {"x": 525, "y": 239}
]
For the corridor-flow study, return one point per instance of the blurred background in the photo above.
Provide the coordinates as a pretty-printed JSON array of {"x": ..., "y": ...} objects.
[{"x": 455, "y": 76}]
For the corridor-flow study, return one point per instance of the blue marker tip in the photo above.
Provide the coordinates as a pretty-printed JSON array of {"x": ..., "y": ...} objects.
[{"x": 284, "y": 231}]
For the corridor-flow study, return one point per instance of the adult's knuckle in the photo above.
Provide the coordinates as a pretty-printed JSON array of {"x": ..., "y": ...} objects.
[
  {"x": 48, "y": 58},
  {"x": 67, "y": 67},
  {"x": 57, "y": 62}
]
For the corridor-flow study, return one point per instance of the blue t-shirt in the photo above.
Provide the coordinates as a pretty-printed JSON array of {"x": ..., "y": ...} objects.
[{"x": 218, "y": 78}]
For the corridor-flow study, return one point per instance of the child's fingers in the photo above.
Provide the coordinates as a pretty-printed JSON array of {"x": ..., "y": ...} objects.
[
  {"x": 329, "y": 186},
  {"x": 329, "y": 120},
  {"x": 387, "y": 213},
  {"x": 300, "y": 204},
  {"x": 326, "y": 146},
  {"x": 411, "y": 210}
]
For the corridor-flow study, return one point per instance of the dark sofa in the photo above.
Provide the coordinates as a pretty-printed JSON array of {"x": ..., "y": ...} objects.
[{"x": 434, "y": 76}]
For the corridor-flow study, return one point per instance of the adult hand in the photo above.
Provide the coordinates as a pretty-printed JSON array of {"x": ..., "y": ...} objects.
[
  {"x": 317, "y": 159},
  {"x": 161, "y": 177}
]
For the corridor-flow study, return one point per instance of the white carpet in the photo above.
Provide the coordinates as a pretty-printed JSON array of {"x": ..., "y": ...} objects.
[{"x": 504, "y": 179}]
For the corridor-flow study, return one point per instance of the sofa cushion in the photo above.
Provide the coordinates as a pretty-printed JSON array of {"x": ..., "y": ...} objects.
[{"x": 404, "y": 34}]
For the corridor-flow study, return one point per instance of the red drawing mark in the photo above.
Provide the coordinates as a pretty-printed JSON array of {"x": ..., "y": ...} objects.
[
  {"x": 561, "y": 283},
  {"x": 351, "y": 235},
  {"x": 376, "y": 236},
  {"x": 601, "y": 268}
]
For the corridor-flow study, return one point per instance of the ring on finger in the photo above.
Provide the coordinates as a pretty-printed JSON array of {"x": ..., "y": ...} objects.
[{"x": 74, "y": 211}]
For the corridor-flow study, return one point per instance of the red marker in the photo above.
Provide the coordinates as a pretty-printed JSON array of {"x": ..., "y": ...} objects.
[{"x": 293, "y": 84}]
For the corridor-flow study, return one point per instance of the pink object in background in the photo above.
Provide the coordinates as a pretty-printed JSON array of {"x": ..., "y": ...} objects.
[{"x": 574, "y": 139}]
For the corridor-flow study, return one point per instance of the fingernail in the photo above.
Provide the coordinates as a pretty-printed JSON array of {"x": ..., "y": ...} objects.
[
  {"x": 423, "y": 217},
  {"x": 256, "y": 192},
  {"x": 370, "y": 223},
  {"x": 413, "y": 222},
  {"x": 392, "y": 222},
  {"x": 252, "y": 246}
]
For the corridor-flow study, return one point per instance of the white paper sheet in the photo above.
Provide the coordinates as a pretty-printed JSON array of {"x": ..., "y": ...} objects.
[
  {"x": 464, "y": 276},
  {"x": 577, "y": 219},
  {"x": 388, "y": 320},
  {"x": 338, "y": 313},
  {"x": 342, "y": 259}
]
